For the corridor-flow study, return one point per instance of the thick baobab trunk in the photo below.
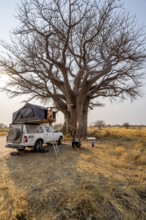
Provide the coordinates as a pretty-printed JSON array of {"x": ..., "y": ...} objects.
[
  {"x": 85, "y": 120},
  {"x": 85, "y": 116},
  {"x": 76, "y": 119}
]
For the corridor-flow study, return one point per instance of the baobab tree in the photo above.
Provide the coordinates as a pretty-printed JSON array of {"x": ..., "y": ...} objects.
[{"x": 73, "y": 52}]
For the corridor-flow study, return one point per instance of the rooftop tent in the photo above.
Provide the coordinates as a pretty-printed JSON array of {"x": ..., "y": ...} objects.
[{"x": 30, "y": 114}]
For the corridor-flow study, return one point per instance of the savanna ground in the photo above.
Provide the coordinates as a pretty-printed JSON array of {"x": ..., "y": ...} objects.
[{"x": 105, "y": 182}]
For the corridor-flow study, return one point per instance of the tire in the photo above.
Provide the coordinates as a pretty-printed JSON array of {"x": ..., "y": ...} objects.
[
  {"x": 38, "y": 145},
  {"x": 60, "y": 140},
  {"x": 21, "y": 149},
  {"x": 14, "y": 134}
]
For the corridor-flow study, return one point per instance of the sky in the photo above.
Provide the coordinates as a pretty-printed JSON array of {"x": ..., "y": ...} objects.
[{"x": 111, "y": 113}]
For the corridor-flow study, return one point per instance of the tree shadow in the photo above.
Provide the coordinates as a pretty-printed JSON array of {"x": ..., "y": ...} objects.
[{"x": 41, "y": 177}]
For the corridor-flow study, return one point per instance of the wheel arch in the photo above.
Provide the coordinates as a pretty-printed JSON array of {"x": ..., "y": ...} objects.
[
  {"x": 60, "y": 139},
  {"x": 39, "y": 139}
]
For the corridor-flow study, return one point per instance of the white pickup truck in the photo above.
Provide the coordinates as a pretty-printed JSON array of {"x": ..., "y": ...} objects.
[{"x": 33, "y": 136}]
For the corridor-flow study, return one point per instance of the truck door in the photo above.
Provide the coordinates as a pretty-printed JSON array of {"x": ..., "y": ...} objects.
[
  {"x": 47, "y": 134},
  {"x": 54, "y": 134},
  {"x": 50, "y": 134}
]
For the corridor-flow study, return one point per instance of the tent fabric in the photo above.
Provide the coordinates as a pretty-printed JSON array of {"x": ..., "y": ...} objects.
[{"x": 30, "y": 113}]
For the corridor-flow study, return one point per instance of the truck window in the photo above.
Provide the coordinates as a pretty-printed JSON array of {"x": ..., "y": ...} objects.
[
  {"x": 47, "y": 129},
  {"x": 52, "y": 129}
]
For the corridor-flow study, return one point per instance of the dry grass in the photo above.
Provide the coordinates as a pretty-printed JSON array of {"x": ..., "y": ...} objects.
[
  {"x": 105, "y": 182},
  {"x": 3, "y": 131},
  {"x": 116, "y": 133}
]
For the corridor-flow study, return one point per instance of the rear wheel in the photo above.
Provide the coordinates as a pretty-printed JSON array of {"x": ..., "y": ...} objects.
[{"x": 38, "y": 145}]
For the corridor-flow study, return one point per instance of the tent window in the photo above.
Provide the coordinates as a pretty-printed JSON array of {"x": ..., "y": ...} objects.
[{"x": 26, "y": 113}]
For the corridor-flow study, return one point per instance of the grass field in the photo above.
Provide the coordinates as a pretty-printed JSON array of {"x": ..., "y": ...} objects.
[
  {"x": 105, "y": 182},
  {"x": 3, "y": 131}
]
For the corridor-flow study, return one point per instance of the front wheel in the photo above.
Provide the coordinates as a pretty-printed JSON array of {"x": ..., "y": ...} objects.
[
  {"x": 21, "y": 149},
  {"x": 38, "y": 145},
  {"x": 60, "y": 140}
]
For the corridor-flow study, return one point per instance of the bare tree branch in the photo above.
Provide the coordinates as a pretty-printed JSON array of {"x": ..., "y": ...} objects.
[{"x": 73, "y": 52}]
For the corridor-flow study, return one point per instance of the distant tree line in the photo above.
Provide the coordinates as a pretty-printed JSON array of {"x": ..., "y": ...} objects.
[
  {"x": 3, "y": 126},
  {"x": 101, "y": 124}
]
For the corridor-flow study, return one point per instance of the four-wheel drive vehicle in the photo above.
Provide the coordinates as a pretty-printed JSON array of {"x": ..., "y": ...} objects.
[{"x": 33, "y": 136}]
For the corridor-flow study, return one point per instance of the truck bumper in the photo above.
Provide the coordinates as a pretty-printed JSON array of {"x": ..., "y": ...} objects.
[{"x": 15, "y": 146}]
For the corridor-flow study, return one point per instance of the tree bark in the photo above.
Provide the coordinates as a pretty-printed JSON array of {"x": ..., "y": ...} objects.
[
  {"x": 85, "y": 116},
  {"x": 76, "y": 119}
]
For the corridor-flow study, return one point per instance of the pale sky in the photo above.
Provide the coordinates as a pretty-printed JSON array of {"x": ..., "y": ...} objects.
[{"x": 112, "y": 113}]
